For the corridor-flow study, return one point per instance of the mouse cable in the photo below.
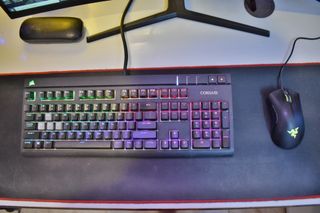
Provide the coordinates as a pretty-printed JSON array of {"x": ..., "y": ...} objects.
[
  {"x": 280, "y": 84},
  {"x": 123, "y": 37}
]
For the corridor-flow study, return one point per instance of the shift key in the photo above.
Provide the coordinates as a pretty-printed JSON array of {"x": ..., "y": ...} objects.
[{"x": 144, "y": 134}]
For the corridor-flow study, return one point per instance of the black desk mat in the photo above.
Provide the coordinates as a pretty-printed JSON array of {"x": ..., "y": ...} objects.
[{"x": 258, "y": 169}]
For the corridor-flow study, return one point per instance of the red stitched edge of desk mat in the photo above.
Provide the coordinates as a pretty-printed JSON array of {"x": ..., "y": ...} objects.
[
  {"x": 158, "y": 201},
  {"x": 153, "y": 68}
]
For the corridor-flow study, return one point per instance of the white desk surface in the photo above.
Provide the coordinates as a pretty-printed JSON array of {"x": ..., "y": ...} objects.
[{"x": 172, "y": 43}]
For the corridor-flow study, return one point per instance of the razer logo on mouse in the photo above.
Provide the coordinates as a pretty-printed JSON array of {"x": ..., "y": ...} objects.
[{"x": 293, "y": 132}]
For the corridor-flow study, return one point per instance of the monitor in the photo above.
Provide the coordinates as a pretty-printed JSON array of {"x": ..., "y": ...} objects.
[{"x": 19, "y": 8}]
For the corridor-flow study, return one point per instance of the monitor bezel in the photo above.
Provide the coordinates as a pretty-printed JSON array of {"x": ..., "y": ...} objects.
[{"x": 46, "y": 8}]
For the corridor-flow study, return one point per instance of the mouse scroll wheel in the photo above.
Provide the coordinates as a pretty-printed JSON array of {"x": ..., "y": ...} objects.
[{"x": 288, "y": 97}]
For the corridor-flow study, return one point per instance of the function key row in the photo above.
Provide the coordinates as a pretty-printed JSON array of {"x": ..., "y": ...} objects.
[
  {"x": 66, "y": 95},
  {"x": 165, "y": 93},
  {"x": 96, "y": 94}
]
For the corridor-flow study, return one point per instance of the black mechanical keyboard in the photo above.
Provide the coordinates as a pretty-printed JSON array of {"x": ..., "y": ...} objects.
[{"x": 128, "y": 116}]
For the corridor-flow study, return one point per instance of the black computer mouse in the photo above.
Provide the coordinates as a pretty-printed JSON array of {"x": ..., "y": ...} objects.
[{"x": 288, "y": 125}]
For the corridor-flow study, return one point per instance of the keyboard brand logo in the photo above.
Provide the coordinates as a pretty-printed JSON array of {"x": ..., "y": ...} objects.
[
  {"x": 32, "y": 83},
  {"x": 214, "y": 92}
]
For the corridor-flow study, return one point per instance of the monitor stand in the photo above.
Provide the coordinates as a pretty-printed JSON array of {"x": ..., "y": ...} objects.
[{"x": 176, "y": 8}]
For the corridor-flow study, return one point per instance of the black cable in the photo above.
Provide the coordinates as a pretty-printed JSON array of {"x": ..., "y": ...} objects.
[
  {"x": 124, "y": 42},
  {"x": 280, "y": 84}
]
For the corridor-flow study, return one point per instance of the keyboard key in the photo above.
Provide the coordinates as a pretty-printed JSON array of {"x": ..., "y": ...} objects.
[
  {"x": 144, "y": 134},
  {"x": 79, "y": 135},
  {"x": 205, "y": 115},
  {"x": 164, "y": 144},
  {"x": 150, "y": 144},
  {"x": 152, "y": 116},
  {"x": 126, "y": 135},
  {"x": 133, "y": 106},
  {"x": 225, "y": 120},
  {"x": 195, "y": 106},
  {"x": 98, "y": 135},
  {"x": 183, "y": 92},
  {"x": 99, "y": 94},
  {"x": 174, "y": 144},
  {"x": 196, "y": 125},
  {"x": 41, "y": 126},
  {"x": 216, "y": 124},
  {"x": 173, "y": 93},
  {"x": 47, "y": 145},
  {"x": 153, "y": 93},
  {"x": 118, "y": 144},
  {"x": 122, "y": 125},
  {"x": 124, "y": 107},
  {"x": 29, "y": 117},
  {"x": 28, "y": 144},
  {"x": 139, "y": 116},
  {"x": 216, "y": 133},
  {"x": 174, "y": 116},
  {"x": 151, "y": 106},
  {"x": 88, "y": 135},
  {"x": 131, "y": 125},
  {"x": 146, "y": 125},
  {"x": 138, "y": 144},
  {"x": 216, "y": 144},
  {"x": 109, "y": 94},
  {"x": 82, "y": 145},
  {"x": 205, "y": 105},
  {"x": 124, "y": 94},
  {"x": 96, "y": 107},
  {"x": 206, "y": 124},
  {"x": 110, "y": 116},
  {"x": 174, "y": 134},
  {"x": 107, "y": 135},
  {"x": 31, "y": 135},
  {"x": 174, "y": 106},
  {"x": 128, "y": 144},
  {"x": 164, "y": 116},
  {"x": 113, "y": 125},
  {"x": 184, "y": 115},
  {"x": 184, "y": 144},
  {"x": 224, "y": 105},
  {"x": 215, "y": 105},
  {"x": 222, "y": 79},
  {"x": 184, "y": 106},
  {"x": 212, "y": 79},
  {"x": 115, "y": 107},
  {"x": 133, "y": 93},
  {"x": 117, "y": 135},
  {"x": 30, "y": 126},
  {"x": 38, "y": 144},
  {"x": 164, "y": 93},
  {"x": 196, "y": 115},
  {"x": 105, "y": 107},
  {"x": 196, "y": 134},
  {"x": 164, "y": 106},
  {"x": 206, "y": 134},
  {"x": 143, "y": 93},
  {"x": 71, "y": 135},
  {"x": 93, "y": 125},
  {"x": 50, "y": 126},
  {"x": 120, "y": 116},
  {"x": 103, "y": 125},
  {"x": 201, "y": 144}
]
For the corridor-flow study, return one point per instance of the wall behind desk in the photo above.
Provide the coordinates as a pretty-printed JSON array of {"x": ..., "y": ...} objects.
[{"x": 175, "y": 42}]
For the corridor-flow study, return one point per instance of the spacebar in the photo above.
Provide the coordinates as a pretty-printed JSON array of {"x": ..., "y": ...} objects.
[{"x": 82, "y": 145}]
